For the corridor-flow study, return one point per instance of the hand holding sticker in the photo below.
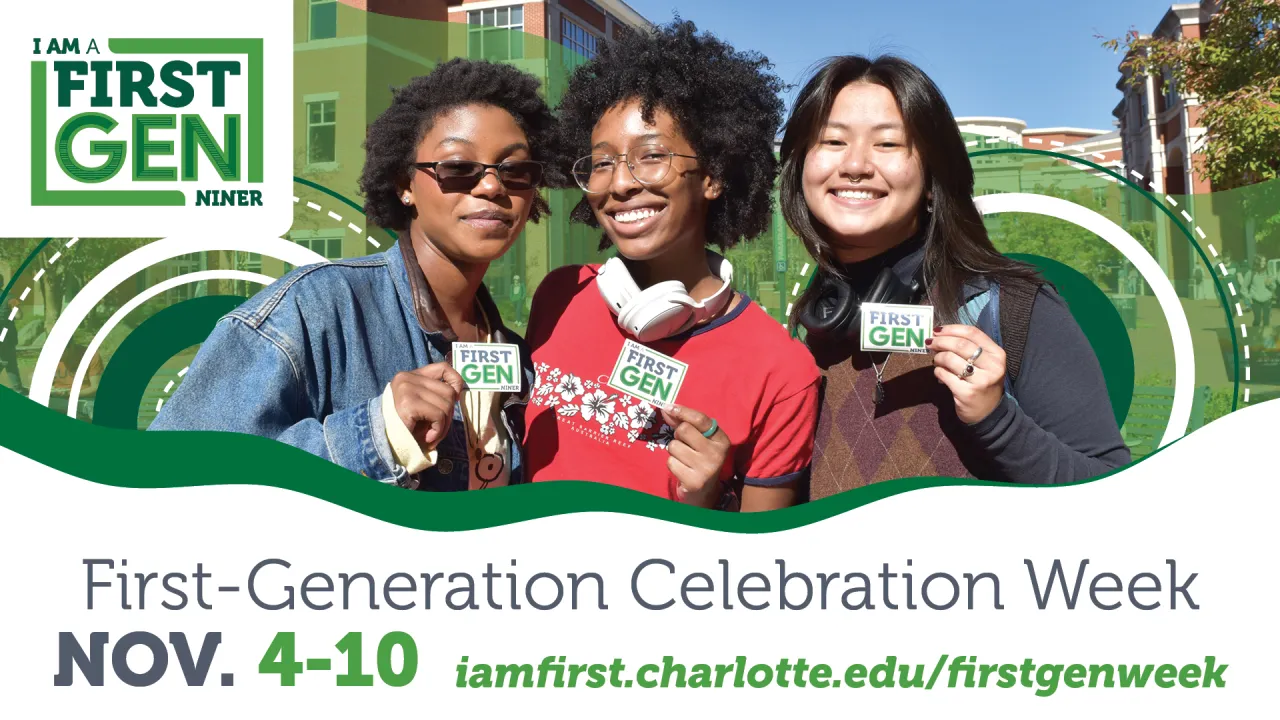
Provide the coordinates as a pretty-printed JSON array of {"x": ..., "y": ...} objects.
[
  {"x": 424, "y": 400},
  {"x": 972, "y": 366},
  {"x": 696, "y": 460}
]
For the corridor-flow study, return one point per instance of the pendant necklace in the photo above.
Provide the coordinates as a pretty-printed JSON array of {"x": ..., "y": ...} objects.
[
  {"x": 488, "y": 465},
  {"x": 878, "y": 398}
]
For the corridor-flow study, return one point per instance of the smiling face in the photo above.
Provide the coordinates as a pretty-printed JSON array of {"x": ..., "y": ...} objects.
[
  {"x": 470, "y": 223},
  {"x": 863, "y": 180},
  {"x": 645, "y": 221}
]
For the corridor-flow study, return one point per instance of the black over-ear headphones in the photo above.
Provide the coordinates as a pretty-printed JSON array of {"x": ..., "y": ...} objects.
[{"x": 833, "y": 310}]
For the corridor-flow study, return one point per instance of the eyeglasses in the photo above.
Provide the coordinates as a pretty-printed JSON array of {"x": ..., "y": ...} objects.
[
  {"x": 465, "y": 174},
  {"x": 648, "y": 164}
]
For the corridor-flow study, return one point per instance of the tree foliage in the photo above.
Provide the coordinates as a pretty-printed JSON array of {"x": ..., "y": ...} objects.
[
  {"x": 1234, "y": 70},
  {"x": 74, "y": 267},
  {"x": 1056, "y": 239}
]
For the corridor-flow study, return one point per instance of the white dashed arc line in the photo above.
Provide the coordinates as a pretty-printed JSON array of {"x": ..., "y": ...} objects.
[
  {"x": 100, "y": 285},
  {"x": 4, "y": 332},
  {"x": 804, "y": 271},
  {"x": 352, "y": 226},
  {"x": 181, "y": 373},
  {"x": 82, "y": 369},
  {"x": 1222, "y": 266}
]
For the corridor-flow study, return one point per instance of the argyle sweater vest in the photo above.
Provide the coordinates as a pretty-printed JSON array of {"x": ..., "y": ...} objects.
[{"x": 913, "y": 433}]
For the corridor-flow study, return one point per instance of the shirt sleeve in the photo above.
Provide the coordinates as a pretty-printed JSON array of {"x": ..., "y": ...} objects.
[
  {"x": 783, "y": 450},
  {"x": 1061, "y": 427},
  {"x": 404, "y": 447}
]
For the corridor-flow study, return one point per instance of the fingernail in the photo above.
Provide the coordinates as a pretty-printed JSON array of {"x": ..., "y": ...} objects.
[
  {"x": 937, "y": 328},
  {"x": 928, "y": 341}
]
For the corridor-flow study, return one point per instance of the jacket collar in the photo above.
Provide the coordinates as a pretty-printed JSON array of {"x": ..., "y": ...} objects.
[
  {"x": 420, "y": 301},
  {"x": 427, "y": 309}
]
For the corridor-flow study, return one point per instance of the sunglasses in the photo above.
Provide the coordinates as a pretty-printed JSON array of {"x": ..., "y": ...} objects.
[{"x": 465, "y": 174}]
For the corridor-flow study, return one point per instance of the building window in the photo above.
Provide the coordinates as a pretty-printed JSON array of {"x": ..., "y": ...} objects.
[
  {"x": 576, "y": 38},
  {"x": 177, "y": 267},
  {"x": 248, "y": 262},
  {"x": 496, "y": 34},
  {"x": 322, "y": 146},
  {"x": 328, "y": 247},
  {"x": 1170, "y": 87},
  {"x": 324, "y": 19}
]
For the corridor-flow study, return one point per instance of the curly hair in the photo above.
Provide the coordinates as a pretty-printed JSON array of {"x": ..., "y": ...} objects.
[
  {"x": 724, "y": 101},
  {"x": 392, "y": 142}
]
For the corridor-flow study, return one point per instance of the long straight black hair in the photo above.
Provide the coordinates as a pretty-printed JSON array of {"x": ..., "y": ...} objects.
[{"x": 957, "y": 247}]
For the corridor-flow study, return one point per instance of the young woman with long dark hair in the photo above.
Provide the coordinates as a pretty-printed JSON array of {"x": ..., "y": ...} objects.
[
  {"x": 670, "y": 135},
  {"x": 350, "y": 360},
  {"x": 878, "y": 184}
]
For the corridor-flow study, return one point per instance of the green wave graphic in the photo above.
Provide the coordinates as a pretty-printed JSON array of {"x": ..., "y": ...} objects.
[{"x": 133, "y": 459}]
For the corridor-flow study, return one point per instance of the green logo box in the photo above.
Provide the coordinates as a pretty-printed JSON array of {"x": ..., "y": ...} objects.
[
  {"x": 150, "y": 123},
  {"x": 146, "y": 85}
]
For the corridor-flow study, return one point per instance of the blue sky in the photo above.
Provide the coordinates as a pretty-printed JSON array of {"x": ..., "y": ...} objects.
[{"x": 1037, "y": 61}]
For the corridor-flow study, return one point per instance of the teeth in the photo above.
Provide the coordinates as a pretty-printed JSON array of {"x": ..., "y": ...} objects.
[
  {"x": 631, "y": 216},
  {"x": 856, "y": 194}
]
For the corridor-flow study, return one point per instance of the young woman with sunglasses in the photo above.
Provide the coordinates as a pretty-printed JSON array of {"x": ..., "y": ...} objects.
[
  {"x": 673, "y": 133},
  {"x": 350, "y": 360}
]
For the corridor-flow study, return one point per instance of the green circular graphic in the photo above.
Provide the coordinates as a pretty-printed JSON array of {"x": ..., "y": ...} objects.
[
  {"x": 146, "y": 349},
  {"x": 1098, "y": 317}
]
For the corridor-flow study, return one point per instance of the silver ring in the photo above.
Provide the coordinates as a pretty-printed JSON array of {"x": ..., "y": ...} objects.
[
  {"x": 976, "y": 354},
  {"x": 968, "y": 370}
]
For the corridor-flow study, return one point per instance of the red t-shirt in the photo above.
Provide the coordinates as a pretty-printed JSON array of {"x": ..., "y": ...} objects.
[{"x": 759, "y": 384}]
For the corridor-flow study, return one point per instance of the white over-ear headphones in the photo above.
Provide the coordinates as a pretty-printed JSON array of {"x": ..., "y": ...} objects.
[{"x": 665, "y": 309}]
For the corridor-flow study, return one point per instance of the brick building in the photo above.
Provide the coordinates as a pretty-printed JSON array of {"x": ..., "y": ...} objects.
[
  {"x": 577, "y": 24},
  {"x": 1002, "y": 173},
  {"x": 1160, "y": 126},
  {"x": 349, "y": 54},
  {"x": 1162, "y": 139}
]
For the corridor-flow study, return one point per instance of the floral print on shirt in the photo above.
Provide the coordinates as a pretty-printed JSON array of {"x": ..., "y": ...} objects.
[{"x": 592, "y": 408}]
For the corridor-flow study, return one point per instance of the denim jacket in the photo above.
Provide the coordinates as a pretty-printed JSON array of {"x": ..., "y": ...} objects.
[{"x": 306, "y": 361}]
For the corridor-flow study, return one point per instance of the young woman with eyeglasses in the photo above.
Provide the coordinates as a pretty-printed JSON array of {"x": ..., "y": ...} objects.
[
  {"x": 350, "y": 360},
  {"x": 671, "y": 138}
]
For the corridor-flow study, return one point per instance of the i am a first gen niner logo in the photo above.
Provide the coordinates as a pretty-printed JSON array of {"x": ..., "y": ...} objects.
[{"x": 146, "y": 122}]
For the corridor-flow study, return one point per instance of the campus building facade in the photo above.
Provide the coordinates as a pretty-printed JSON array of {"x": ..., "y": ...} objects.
[{"x": 1159, "y": 125}]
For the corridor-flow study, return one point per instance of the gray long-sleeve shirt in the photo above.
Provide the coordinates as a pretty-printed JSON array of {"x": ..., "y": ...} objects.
[{"x": 1062, "y": 427}]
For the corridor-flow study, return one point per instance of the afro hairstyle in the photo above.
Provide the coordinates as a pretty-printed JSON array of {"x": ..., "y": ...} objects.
[
  {"x": 725, "y": 102},
  {"x": 392, "y": 143}
]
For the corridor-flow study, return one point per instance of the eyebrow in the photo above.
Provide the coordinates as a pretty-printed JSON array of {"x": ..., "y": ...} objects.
[
  {"x": 503, "y": 153},
  {"x": 454, "y": 139},
  {"x": 514, "y": 147},
  {"x": 878, "y": 126},
  {"x": 643, "y": 139}
]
